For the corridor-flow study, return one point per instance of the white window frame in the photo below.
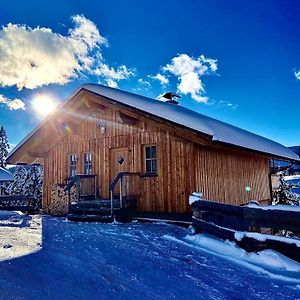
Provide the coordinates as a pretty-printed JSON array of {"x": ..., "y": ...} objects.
[
  {"x": 87, "y": 164},
  {"x": 72, "y": 160}
]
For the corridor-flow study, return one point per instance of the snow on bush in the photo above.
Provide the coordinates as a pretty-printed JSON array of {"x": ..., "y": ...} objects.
[
  {"x": 17, "y": 186},
  {"x": 27, "y": 182}
]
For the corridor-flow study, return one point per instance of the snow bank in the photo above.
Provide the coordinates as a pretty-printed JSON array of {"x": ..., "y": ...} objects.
[
  {"x": 292, "y": 177},
  {"x": 268, "y": 262},
  {"x": 276, "y": 207},
  {"x": 195, "y": 196},
  {"x": 227, "y": 248},
  {"x": 239, "y": 235}
]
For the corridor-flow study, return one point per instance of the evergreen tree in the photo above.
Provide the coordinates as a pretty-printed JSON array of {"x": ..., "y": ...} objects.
[
  {"x": 17, "y": 186},
  {"x": 4, "y": 146},
  {"x": 34, "y": 182}
]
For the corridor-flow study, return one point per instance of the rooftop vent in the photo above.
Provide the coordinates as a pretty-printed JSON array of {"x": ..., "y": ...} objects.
[{"x": 170, "y": 96}]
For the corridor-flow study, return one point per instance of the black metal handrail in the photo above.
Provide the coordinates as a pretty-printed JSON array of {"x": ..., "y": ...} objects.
[
  {"x": 75, "y": 180},
  {"x": 113, "y": 184},
  {"x": 71, "y": 183}
]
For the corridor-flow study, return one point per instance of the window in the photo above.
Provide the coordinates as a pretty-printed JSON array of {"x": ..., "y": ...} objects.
[
  {"x": 87, "y": 163},
  {"x": 72, "y": 165},
  {"x": 151, "y": 159}
]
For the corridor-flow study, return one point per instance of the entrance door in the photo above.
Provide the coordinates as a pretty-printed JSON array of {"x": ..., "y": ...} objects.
[{"x": 118, "y": 163}]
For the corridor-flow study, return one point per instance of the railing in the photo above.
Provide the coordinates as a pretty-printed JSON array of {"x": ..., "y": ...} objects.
[
  {"x": 86, "y": 187},
  {"x": 124, "y": 188},
  {"x": 245, "y": 217},
  {"x": 253, "y": 228}
]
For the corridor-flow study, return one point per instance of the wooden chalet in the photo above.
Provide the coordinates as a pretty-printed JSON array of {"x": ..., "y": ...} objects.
[{"x": 160, "y": 151}]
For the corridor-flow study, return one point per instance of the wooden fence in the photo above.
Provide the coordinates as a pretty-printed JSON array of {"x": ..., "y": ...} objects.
[
  {"x": 19, "y": 203},
  {"x": 224, "y": 220}
]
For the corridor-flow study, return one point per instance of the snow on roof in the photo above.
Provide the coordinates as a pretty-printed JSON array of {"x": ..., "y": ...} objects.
[
  {"x": 5, "y": 175},
  {"x": 218, "y": 130},
  {"x": 296, "y": 149}
]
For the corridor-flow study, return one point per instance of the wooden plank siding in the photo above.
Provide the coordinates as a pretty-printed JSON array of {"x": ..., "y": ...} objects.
[{"x": 184, "y": 165}]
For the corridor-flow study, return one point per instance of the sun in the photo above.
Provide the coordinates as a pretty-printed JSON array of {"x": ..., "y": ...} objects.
[{"x": 43, "y": 104}]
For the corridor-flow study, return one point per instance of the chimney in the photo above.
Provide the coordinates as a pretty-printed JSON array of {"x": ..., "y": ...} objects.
[{"x": 170, "y": 98}]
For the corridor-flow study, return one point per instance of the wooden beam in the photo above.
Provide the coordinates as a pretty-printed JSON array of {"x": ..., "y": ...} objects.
[
  {"x": 126, "y": 119},
  {"x": 91, "y": 102},
  {"x": 166, "y": 125},
  {"x": 37, "y": 154}
]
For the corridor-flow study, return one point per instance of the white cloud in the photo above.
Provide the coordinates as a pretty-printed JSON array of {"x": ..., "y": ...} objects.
[
  {"x": 86, "y": 32},
  {"x": 163, "y": 80},
  {"x": 13, "y": 104},
  {"x": 297, "y": 74},
  {"x": 112, "y": 75},
  {"x": 189, "y": 71},
  {"x": 144, "y": 82},
  {"x": 226, "y": 104},
  {"x": 32, "y": 57}
]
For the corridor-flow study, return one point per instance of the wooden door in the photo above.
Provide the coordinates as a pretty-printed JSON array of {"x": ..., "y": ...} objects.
[{"x": 118, "y": 163}]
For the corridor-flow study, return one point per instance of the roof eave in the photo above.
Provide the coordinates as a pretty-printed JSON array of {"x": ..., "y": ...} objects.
[{"x": 271, "y": 155}]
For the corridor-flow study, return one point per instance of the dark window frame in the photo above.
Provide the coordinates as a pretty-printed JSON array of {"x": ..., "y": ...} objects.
[{"x": 150, "y": 159}]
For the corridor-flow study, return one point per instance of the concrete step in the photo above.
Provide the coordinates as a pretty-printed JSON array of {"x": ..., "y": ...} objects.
[
  {"x": 91, "y": 210},
  {"x": 90, "y": 218}
]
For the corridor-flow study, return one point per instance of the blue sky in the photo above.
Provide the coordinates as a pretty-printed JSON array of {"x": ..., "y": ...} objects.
[{"x": 236, "y": 61}]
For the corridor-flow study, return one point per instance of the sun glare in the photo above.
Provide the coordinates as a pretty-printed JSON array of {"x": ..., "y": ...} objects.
[{"x": 44, "y": 104}]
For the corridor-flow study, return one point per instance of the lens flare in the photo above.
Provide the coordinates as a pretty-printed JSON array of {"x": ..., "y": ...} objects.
[{"x": 43, "y": 104}]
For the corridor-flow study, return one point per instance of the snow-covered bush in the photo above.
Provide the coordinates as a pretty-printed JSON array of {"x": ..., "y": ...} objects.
[
  {"x": 27, "y": 182},
  {"x": 34, "y": 183},
  {"x": 17, "y": 186}
]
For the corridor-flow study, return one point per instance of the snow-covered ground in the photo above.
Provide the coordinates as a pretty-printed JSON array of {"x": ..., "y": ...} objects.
[{"x": 50, "y": 258}]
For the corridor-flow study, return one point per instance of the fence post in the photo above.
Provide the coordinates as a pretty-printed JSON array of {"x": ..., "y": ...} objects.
[
  {"x": 78, "y": 188},
  {"x": 111, "y": 203},
  {"x": 69, "y": 200},
  {"x": 121, "y": 192},
  {"x": 95, "y": 183}
]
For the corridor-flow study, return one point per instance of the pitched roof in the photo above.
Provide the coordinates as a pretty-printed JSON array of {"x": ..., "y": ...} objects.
[
  {"x": 296, "y": 149},
  {"x": 217, "y": 130},
  {"x": 5, "y": 175}
]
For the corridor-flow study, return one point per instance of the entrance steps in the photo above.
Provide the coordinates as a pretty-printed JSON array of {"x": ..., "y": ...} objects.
[{"x": 98, "y": 210}]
